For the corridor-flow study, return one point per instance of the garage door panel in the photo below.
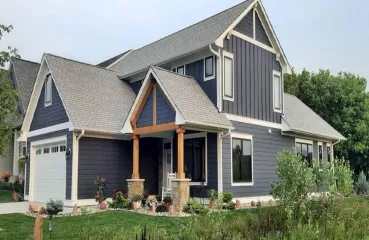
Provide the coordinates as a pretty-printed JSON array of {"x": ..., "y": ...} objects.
[{"x": 49, "y": 173}]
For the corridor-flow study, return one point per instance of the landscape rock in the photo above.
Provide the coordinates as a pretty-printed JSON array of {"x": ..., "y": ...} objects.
[
  {"x": 103, "y": 206},
  {"x": 42, "y": 211},
  {"x": 33, "y": 207},
  {"x": 75, "y": 210}
]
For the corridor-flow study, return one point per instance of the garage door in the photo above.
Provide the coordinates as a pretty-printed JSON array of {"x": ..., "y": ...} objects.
[{"x": 49, "y": 172}]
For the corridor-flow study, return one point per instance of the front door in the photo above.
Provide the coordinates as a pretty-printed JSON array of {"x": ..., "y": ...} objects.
[{"x": 167, "y": 161}]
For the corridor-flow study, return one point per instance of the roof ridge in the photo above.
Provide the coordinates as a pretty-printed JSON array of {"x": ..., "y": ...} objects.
[
  {"x": 72, "y": 60},
  {"x": 24, "y": 60},
  {"x": 166, "y": 70},
  {"x": 134, "y": 50}
]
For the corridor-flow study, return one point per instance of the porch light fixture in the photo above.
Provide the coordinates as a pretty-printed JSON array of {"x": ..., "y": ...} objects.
[{"x": 68, "y": 152}]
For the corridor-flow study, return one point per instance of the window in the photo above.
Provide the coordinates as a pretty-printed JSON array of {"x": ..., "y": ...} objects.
[
  {"x": 320, "y": 149},
  {"x": 180, "y": 70},
  {"x": 24, "y": 151},
  {"x": 63, "y": 148},
  {"x": 242, "y": 160},
  {"x": 277, "y": 91},
  {"x": 48, "y": 89},
  {"x": 209, "y": 68},
  {"x": 329, "y": 154},
  {"x": 228, "y": 76},
  {"x": 55, "y": 149},
  {"x": 38, "y": 151},
  {"x": 46, "y": 150},
  {"x": 195, "y": 159},
  {"x": 306, "y": 151}
]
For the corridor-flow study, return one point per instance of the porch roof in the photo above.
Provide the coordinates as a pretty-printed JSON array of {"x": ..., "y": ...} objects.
[{"x": 192, "y": 106}]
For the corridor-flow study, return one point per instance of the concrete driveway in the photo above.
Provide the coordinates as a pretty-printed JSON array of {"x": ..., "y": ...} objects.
[{"x": 22, "y": 207}]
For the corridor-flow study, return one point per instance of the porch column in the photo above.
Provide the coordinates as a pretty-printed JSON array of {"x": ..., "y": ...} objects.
[
  {"x": 180, "y": 185},
  {"x": 180, "y": 173},
  {"x": 135, "y": 185}
]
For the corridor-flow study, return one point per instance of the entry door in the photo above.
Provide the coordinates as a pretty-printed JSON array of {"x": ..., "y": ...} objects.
[{"x": 167, "y": 161}]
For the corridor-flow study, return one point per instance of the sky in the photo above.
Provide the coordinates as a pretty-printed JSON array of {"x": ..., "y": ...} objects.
[{"x": 314, "y": 34}]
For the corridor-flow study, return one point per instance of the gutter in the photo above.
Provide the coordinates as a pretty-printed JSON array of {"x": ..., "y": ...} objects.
[
  {"x": 81, "y": 135},
  {"x": 219, "y": 76}
]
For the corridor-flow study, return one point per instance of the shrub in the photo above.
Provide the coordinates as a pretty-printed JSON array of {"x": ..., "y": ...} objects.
[
  {"x": 343, "y": 175},
  {"x": 123, "y": 191},
  {"x": 362, "y": 185},
  {"x": 5, "y": 176},
  {"x": 100, "y": 185},
  {"x": 324, "y": 176},
  {"x": 227, "y": 197},
  {"x": 213, "y": 194},
  {"x": 161, "y": 208},
  {"x": 230, "y": 206},
  {"x": 195, "y": 207},
  {"x": 54, "y": 207},
  {"x": 136, "y": 198},
  {"x": 168, "y": 200},
  {"x": 120, "y": 202}
]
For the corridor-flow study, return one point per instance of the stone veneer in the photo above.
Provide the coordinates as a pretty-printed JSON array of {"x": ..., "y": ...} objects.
[
  {"x": 180, "y": 193},
  {"x": 135, "y": 187}
]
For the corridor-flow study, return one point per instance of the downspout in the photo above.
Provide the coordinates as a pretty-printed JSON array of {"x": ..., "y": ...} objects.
[
  {"x": 80, "y": 136},
  {"x": 219, "y": 77},
  {"x": 339, "y": 140}
]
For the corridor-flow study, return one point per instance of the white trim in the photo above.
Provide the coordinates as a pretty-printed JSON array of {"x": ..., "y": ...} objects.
[
  {"x": 200, "y": 135},
  {"x": 253, "y": 23},
  {"x": 212, "y": 76},
  {"x": 301, "y": 140},
  {"x": 62, "y": 126},
  {"x": 220, "y": 162},
  {"x": 253, "y": 121},
  {"x": 32, "y": 152},
  {"x": 245, "y": 137},
  {"x": 253, "y": 41},
  {"x": 120, "y": 59},
  {"x": 48, "y": 79},
  {"x": 168, "y": 140},
  {"x": 230, "y": 56},
  {"x": 180, "y": 66},
  {"x": 277, "y": 73}
]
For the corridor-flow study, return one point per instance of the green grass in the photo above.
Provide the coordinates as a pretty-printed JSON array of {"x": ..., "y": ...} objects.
[{"x": 5, "y": 196}]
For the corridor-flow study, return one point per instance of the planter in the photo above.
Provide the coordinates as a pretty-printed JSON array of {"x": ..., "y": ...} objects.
[
  {"x": 138, "y": 204},
  {"x": 212, "y": 204},
  {"x": 134, "y": 206},
  {"x": 15, "y": 197}
]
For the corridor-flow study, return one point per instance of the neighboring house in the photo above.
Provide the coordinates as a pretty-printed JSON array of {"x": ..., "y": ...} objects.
[
  {"x": 23, "y": 73},
  {"x": 206, "y": 103}
]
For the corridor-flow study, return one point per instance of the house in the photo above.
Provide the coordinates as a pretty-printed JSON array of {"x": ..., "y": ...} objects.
[
  {"x": 206, "y": 103},
  {"x": 23, "y": 75}
]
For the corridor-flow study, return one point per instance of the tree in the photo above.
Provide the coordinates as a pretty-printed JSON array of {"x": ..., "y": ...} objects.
[
  {"x": 343, "y": 102},
  {"x": 8, "y": 96}
]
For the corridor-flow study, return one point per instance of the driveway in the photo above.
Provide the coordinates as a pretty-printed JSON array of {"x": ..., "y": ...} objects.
[{"x": 22, "y": 207}]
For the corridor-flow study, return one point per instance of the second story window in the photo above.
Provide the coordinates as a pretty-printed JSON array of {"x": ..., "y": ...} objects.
[
  {"x": 180, "y": 70},
  {"x": 277, "y": 91},
  {"x": 48, "y": 90},
  {"x": 228, "y": 83},
  {"x": 209, "y": 68}
]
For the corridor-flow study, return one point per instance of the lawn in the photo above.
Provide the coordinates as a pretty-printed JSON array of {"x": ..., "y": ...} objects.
[{"x": 5, "y": 196}]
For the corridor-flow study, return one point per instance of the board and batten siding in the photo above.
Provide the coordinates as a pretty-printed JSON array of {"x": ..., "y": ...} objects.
[
  {"x": 246, "y": 25},
  {"x": 260, "y": 33},
  {"x": 51, "y": 115},
  {"x": 69, "y": 160},
  {"x": 265, "y": 149},
  {"x": 253, "y": 81}
]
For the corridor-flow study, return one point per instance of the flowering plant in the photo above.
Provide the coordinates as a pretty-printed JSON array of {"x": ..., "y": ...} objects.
[
  {"x": 100, "y": 184},
  {"x": 5, "y": 176}
]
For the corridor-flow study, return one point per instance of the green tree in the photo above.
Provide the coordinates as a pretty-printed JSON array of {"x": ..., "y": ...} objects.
[
  {"x": 343, "y": 102},
  {"x": 8, "y": 96}
]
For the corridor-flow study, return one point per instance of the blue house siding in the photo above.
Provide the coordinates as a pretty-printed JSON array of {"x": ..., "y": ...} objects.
[
  {"x": 50, "y": 115},
  {"x": 164, "y": 112},
  {"x": 246, "y": 25},
  {"x": 196, "y": 70},
  {"x": 253, "y": 81},
  {"x": 265, "y": 149},
  {"x": 146, "y": 116},
  {"x": 69, "y": 160},
  {"x": 136, "y": 86},
  {"x": 260, "y": 33}
]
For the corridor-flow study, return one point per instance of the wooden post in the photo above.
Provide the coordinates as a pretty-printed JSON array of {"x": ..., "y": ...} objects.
[
  {"x": 135, "y": 139},
  {"x": 180, "y": 174}
]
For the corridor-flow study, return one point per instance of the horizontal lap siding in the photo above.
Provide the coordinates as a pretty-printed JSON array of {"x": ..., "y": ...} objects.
[
  {"x": 69, "y": 160},
  {"x": 265, "y": 149},
  {"x": 50, "y": 115},
  {"x": 253, "y": 81}
]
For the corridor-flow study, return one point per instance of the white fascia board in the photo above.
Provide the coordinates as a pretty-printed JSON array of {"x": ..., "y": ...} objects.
[
  {"x": 62, "y": 126},
  {"x": 253, "y": 121}
]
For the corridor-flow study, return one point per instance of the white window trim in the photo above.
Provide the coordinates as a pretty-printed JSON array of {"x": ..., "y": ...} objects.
[
  {"x": 212, "y": 76},
  {"x": 277, "y": 73},
  {"x": 301, "y": 140},
  {"x": 200, "y": 135},
  {"x": 167, "y": 140},
  {"x": 228, "y": 55},
  {"x": 48, "y": 78},
  {"x": 245, "y": 137},
  {"x": 176, "y": 69}
]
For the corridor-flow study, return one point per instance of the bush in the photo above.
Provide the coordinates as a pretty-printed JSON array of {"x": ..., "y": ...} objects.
[
  {"x": 136, "y": 198},
  {"x": 195, "y": 207},
  {"x": 54, "y": 207},
  {"x": 230, "y": 206},
  {"x": 362, "y": 185},
  {"x": 168, "y": 200},
  {"x": 324, "y": 177},
  {"x": 343, "y": 175},
  {"x": 227, "y": 197},
  {"x": 123, "y": 191},
  {"x": 120, "y": 202},
  {"x": 213, "y": 195},
  {"x": 161, "y": 208}
]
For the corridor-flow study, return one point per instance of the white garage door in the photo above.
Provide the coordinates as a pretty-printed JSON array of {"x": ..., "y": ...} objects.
[{"x": 49, "y": 172}]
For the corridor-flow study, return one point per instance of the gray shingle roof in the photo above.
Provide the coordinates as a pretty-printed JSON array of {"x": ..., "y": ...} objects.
[
  {"x": 191, "y": 101},
  {"x": 301, "y": 118},
  {"x": 95, "y": 98},
  {"x": 108, "y": 62},
  {"x": 182, "y": 42},
  {"x": 25, "y": 73}
]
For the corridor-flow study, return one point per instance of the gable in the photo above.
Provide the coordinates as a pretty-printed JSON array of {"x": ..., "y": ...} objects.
[
  {"x": 260, "y": 34},
  {"x": 164, "y": 111},
  {"x": 246, "y": 26},
  {"x": 46, "y": 116}
]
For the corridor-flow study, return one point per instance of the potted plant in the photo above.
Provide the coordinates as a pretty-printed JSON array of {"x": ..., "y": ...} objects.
[
  {"x": 17, "y": 191},
  {"x": 136, "y": 200},
  {"x": 52, "y": 209},
  {"x": 213, "y": 196},
  {"x": 167, "y": 201},
  {"x": 100, "y": 184},
  {"x": 5, "y": 176}
]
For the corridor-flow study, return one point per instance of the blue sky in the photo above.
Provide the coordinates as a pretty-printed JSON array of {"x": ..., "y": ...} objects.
[{"x": 314, "y": 33}]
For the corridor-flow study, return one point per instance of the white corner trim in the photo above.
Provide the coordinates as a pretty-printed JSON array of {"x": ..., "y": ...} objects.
[
  {"x": 301, "y": 140},
  {"x": 277, "y": 73},
  {"x": 219, "y": 162},
  {"x": 120, "y": 59},
  {"x": 253, "y": 121},
  {"x": 246, "y": 137},
  {"x": 62, "y": 126},
  {"x": 231, "y": 56}
]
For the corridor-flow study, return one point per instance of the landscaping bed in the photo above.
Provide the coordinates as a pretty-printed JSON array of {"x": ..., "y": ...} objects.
[{"x": 5, "y": 196}]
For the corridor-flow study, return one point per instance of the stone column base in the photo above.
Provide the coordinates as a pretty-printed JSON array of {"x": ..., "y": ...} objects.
[
  {"x": 180, "y": 193},
  {"x": 135, "y": 187}
]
